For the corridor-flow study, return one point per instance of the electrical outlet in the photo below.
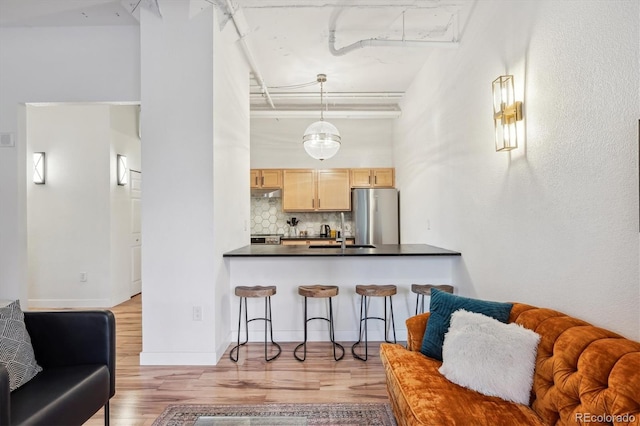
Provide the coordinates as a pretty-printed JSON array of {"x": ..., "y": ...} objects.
[
  {"x": 83, "y": 277},
  {"x": 197, "y": 313}
]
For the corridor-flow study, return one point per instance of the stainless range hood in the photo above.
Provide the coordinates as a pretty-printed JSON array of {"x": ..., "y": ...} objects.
[{"x": 266, "y": 193}]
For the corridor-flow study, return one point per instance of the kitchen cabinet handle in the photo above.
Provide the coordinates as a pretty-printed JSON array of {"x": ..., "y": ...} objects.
[
  {"x": 256, "y": 180},
  {"x": 375, "y": 180},
  {"x": 313, "y": 203},
  {"x": 369, "y": 179},
  {"x": 262, "y": 182},
  {"x": 318, "y": 202}
]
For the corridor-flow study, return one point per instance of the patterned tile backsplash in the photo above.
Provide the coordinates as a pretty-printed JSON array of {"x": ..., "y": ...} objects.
[{"x": 267, "y": 217}]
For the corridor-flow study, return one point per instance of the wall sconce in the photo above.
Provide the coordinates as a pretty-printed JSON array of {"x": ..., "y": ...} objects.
[
  {"x": 122, "y": 170},
  {"x": 506, "y": 111},
  {"x": 39, "y": 168}
]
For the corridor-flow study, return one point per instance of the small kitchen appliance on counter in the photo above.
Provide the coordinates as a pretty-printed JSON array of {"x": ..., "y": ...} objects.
[
  {"x": 325, "y": 230},
  {"x": 272, "y": 239}
]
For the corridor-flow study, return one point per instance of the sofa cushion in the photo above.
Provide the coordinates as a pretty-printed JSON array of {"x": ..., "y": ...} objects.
[
  {"x": 493, "y": 358},
  {"x": 420, "y": 395},
  {"x": 581, "y": 369},
  {"x": 16, "y": 352},
  {"x": 442, "y": 305},
  {"x": 61, "y": 395}
]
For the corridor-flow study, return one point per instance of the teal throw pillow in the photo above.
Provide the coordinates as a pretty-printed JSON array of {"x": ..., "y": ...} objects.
[{"x": 443, "y": 305}]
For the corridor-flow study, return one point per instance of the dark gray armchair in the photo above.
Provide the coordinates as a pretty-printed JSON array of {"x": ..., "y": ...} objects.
[{"x": 76, "y": 350}]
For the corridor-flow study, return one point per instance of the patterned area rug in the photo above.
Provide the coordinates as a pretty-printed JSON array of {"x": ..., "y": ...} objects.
[{"x": 365, "y": 414}]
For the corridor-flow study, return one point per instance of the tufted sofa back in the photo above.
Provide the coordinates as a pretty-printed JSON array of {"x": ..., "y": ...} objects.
[{"x": 584, "y": 374}]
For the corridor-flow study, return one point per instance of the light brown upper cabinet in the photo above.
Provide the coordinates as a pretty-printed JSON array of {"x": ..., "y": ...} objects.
[
  {"x": 299, "y": 190},
  {"x": 266, "y": 178},
  {"x": 334, "y": 191},
  {"x": 372, "y": 178},
  {"x": 311, "y": 190}
]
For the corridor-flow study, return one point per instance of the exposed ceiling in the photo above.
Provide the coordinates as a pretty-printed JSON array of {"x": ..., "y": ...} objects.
[{"x": 291, "y": 41}]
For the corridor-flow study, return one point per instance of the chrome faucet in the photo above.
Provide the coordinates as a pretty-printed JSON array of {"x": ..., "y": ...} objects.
[{"x": 342, "y": 234}]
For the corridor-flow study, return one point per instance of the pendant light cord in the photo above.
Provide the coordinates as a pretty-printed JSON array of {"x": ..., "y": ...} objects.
[{"x": 321, "y": 102}]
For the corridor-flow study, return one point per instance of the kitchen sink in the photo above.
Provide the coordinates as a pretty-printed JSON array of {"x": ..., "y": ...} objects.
[{"x": 335, "y": 246}]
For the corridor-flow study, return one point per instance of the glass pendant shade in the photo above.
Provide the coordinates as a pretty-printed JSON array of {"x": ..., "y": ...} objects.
[{"x": 321, "y": 140}]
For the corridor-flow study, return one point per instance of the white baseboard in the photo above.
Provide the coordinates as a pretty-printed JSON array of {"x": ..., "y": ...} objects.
[
  {"x": 69, "y": 303},
  {"x": 178, "y": 358}
]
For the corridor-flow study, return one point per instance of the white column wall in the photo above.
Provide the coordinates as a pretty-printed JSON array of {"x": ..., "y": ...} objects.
[
  {"x": 51, "y": 64},
  {"x": 186, "y": 126},
  {"x": 230, "y": 171},
  {"x": 555, "y": 222}
]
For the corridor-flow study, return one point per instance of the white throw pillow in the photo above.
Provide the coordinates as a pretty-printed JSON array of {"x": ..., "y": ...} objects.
[{"x": 489, "y": 356}]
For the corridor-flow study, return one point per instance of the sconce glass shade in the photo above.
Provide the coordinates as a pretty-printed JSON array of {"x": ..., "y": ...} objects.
[
  {"x": 122, "y": 170},
  {"x": 506, "y": 111},
  {"x": 39, "y": 168},
  {"x": 321, "y": 140}
]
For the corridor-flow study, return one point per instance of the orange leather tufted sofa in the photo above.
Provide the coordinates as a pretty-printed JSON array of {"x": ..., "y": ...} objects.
[{"x": 583, "y": 375}]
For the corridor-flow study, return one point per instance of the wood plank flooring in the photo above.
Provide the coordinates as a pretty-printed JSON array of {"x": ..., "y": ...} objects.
[{"x": 143, "y": 392}]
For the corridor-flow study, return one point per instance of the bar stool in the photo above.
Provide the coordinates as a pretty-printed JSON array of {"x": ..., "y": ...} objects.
[
  {"x": 256, "y": 291},
  {"x": 423, "y": 290},
  {"x": 318, "y": 291},
  {"x": 365, "y": 292}
]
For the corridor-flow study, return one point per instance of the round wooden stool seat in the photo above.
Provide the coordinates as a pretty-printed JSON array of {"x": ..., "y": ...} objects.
[
  {"x": 425, "y": 289},
  {"x": 318, "y": 290},
  {"x": 256, "y": 291},
  {"x": 376, "y": 290}
]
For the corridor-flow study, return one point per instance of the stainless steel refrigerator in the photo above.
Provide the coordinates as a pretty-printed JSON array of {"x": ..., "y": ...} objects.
[{"x": 374, "y": 213}]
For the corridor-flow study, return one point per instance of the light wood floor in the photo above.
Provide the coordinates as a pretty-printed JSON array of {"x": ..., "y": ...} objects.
[{"x": 143, "y": 392}]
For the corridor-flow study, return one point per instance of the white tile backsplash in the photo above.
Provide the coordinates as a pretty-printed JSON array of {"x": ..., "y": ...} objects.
[{"x": 267, "y": 217}]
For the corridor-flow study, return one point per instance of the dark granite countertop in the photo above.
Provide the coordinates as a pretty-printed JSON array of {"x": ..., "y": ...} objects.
[
  {"x": 304, "y": 251},
  {"x": 313, "y": 237}
]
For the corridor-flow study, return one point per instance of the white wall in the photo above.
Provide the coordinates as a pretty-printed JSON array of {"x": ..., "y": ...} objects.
[
  {"x": 51, "y": 65},
  {"x": 186, "y": 126},
  {"x": 277, "y": 143},
  {"x": 554, "y": 223},
  {"x": 68, "y": 217},
  {"x": 79, "y": 221}
]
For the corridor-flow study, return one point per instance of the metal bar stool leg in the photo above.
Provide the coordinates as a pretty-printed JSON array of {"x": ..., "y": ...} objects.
[
  {"x": 364, "y": 306},
  {"x": 246, "y": 326},
  {"x": 267, "y": 319},
  {"x": 332, "y": 334},
  {"x": 392, "y": 321},
  {"x": 304, "y": 343}
]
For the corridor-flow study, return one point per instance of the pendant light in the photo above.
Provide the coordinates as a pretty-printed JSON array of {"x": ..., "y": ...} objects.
[{"x": 321, "y": 140}]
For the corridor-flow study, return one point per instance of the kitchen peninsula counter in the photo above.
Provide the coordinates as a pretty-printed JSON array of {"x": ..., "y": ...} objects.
[
  {"x": 288, "y": 267},
  {"x": 331, "y": 251}
]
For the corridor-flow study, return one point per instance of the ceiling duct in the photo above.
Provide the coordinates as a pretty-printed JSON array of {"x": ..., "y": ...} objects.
[
  {"x": 383, "y": 42},
  {"x": 374, "y": 42},
  {"x": 242, "y": 33}
]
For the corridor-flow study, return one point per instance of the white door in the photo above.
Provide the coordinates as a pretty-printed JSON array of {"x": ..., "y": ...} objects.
[{"x": 135, "y": 179}]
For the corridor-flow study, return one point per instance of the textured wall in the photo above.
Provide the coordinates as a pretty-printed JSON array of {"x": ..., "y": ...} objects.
[{"x": 554, "y": 223}]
